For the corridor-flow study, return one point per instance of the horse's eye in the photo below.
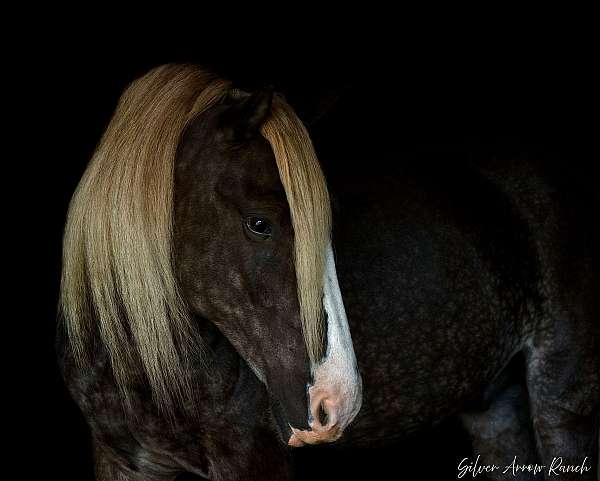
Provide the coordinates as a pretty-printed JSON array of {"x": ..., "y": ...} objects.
[{"x": 259, "y": 226}]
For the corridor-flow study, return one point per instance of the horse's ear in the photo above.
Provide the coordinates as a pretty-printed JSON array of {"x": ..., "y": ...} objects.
[
  {"x": 248, "y": 116},
  {"x": 318, "y": 104}
]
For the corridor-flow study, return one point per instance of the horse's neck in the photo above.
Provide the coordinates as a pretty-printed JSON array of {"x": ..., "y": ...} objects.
[{"x": 215, "y": 373}]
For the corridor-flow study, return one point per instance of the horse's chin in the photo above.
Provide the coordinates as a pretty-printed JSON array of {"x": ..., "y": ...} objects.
[
  {"x": 331, "y": 412},
  {"x": 300, "y": 438},
  {"x": 282, "y": 426}
]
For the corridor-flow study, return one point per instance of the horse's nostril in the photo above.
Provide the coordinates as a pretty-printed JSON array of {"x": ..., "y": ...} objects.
[{"x": 323, "y": 417}]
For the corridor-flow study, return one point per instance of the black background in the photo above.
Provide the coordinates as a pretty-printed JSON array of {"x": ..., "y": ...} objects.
[{"x": 454, "y": 95}]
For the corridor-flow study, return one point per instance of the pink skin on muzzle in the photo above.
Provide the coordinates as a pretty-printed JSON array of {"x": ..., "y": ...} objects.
[{"x": 319, "y": 433}]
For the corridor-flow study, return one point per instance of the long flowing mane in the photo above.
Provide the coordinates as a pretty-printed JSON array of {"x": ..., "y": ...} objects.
[{"x": 118, "y": 286}]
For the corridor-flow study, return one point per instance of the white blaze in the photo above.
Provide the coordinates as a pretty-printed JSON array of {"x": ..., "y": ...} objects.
[{"x": 338, "y": 372}]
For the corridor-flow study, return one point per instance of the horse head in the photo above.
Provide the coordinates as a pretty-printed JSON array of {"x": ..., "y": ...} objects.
[{"x": 207, "y": 204}]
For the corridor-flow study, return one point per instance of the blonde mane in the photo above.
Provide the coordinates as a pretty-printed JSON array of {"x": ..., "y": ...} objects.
[{"x": 118, "y": 282}]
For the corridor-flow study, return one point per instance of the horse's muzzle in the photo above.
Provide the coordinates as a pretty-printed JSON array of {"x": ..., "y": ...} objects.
[{"x": 328, "y": 419}]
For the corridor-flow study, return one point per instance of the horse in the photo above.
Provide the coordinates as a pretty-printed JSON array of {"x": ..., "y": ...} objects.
[
  {"x": 201, "y": 318},
  {"x": 469, "y": 289}
]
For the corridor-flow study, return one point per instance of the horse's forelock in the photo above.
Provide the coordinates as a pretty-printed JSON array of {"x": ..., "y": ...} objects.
[{"x": 308, "y": 199}]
